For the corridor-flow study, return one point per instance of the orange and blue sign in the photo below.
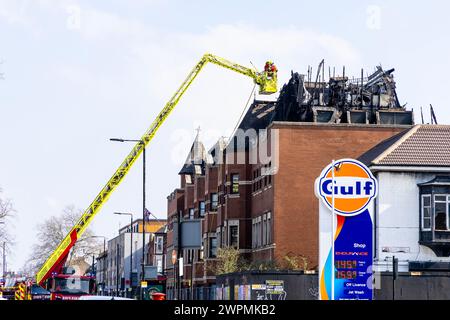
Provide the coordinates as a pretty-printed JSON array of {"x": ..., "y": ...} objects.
[
  {"x": 346, "y": 187},
  {"x": 354, "y": 187}
]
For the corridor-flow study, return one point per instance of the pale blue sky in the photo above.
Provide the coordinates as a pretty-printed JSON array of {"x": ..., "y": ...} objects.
[{"x": 80, "y": 72}]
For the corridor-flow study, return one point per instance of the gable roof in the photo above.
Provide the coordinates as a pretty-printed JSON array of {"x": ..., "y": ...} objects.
[
  {"x": 422, "y": 145},
  {"x": 196, "y": 159}
]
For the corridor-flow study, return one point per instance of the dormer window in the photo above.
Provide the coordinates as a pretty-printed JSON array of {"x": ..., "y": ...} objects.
[{"x": 435, "y": 214}]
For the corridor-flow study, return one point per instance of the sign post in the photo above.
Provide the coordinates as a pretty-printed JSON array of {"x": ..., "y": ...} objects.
[{"x": 347, "y": 188}]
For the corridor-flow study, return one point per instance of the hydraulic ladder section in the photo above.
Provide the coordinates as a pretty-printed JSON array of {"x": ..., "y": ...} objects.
[{"x": 268, "y": 85}]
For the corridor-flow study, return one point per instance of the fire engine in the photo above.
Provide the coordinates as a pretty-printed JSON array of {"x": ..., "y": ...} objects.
[{"x": 68, "y": 286}]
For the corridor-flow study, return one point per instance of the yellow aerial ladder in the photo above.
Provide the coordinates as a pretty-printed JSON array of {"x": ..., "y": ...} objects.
[{"x": 267, "y": 81}]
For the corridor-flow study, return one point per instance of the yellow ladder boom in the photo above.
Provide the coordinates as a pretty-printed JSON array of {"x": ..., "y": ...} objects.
[{"x": 268, "y": 85}]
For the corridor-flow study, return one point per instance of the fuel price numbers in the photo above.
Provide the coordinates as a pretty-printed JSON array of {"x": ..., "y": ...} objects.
[{"x": 346, "y": 269}]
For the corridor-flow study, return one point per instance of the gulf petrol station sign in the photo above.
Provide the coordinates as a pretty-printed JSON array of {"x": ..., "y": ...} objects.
[{"x": 346, "y": 189}]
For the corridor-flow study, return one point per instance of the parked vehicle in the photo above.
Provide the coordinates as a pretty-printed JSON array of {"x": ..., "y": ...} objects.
[{"x": 39, "y": 293}]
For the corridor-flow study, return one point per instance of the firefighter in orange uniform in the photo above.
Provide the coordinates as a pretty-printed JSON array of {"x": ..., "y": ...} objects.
[{"x": 270, "y": 69}]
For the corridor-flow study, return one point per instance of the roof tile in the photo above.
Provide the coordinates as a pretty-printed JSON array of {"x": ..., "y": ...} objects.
[{"x": 423, "y": 145}]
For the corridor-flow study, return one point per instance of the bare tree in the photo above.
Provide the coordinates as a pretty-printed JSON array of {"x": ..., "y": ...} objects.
[
  {"x": 52, "y": 231},
  {"x": 6, "y": 213}
]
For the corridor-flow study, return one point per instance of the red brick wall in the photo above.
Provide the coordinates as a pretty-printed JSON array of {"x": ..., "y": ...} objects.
[{"x": 304, "y": 150}]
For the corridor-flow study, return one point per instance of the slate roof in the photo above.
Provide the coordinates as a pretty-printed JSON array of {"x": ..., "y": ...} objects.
[
  {"x": 422, "y": 145},
  {"x": 196, "y": 159},
  {"x": 258, "y": 116}
]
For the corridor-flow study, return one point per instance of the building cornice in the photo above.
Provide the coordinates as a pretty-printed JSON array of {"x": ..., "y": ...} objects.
[{"x": 277, "y": 124}]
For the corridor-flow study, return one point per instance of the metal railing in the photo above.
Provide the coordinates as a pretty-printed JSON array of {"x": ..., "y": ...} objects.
[{"x": 198, "y": 293}]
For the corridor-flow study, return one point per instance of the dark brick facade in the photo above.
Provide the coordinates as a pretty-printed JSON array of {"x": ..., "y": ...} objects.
[{"x": 281, "y": 208}]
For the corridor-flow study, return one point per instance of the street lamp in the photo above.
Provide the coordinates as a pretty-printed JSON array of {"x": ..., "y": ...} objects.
[
  {"x": 4, "y": 260},
  {"x": 131, "y": 242},
  {"x": 143, "y": 203},
  {"x": 4, "y": 256}
]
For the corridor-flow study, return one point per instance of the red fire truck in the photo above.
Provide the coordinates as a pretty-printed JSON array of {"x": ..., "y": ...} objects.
[{"x": 70, "y": 286}]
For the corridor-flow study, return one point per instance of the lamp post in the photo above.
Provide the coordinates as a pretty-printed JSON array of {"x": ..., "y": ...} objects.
[
  {"x": 4, "y": 257},
  {"x": 131, "y": 241},
  {"x": 4, "y": 260},
  {"x": 117, "y": 269},
  {"x": 143, "y": 204}
]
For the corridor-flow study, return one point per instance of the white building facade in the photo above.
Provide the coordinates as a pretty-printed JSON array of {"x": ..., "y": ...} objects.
[
  {"x": 124, "y": 258},
  {"x": 403, "y": 217}
]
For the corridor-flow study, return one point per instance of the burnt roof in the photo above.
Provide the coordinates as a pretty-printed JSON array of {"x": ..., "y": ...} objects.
[{"x": 258, "y": 116}]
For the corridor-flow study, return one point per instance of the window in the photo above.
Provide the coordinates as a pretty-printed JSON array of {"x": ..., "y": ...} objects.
[
  {"x": 190, "y": 256},
  {"x": 214, "y": 201},
  {"x": 201, "y": 208},
  {"x": 224, "y": 184},
  {"x": 426, "y": 212},
  {"x": 223, "y": 236},
  {"x": 188, "y": 179},
  {"x": 270, "y": 172},
  {"x": 233, "y": 236},
  {"x": 441, "y": 212},
  {"x": 269, "y": 228},
  {"x": 264, "y": 226},
  {"x": 159, "y": 243},
  {"x": 435, "y": 213},
  {"x": 200, "y": 253},
  {"x": 219, "y": 235},
  {"x": 266, "y": 174},
  {"x": 235, "y": 183},
  {"x": 253, "y": 233},
  {"x": 212, "y": 247},
  {"x": 159, "y": 264},
  {"x": 191, "y": 213},
  {"x": 256, "y": 233}
]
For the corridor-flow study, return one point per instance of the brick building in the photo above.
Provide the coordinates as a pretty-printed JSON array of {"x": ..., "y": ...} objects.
[{"x": 255, "y": 191}]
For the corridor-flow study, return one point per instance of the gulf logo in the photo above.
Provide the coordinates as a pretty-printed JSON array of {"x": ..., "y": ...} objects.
[{"x": 354, "y": 187}]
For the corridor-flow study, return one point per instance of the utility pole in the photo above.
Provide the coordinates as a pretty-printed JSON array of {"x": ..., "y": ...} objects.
[
  {"x": 117, "y": 269},
  {"x": 394, "y": 275},
  {"x": 4, "y": 260},
  {"x": 143, "y": 222},
  {"x": 180, "y": 256}
]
